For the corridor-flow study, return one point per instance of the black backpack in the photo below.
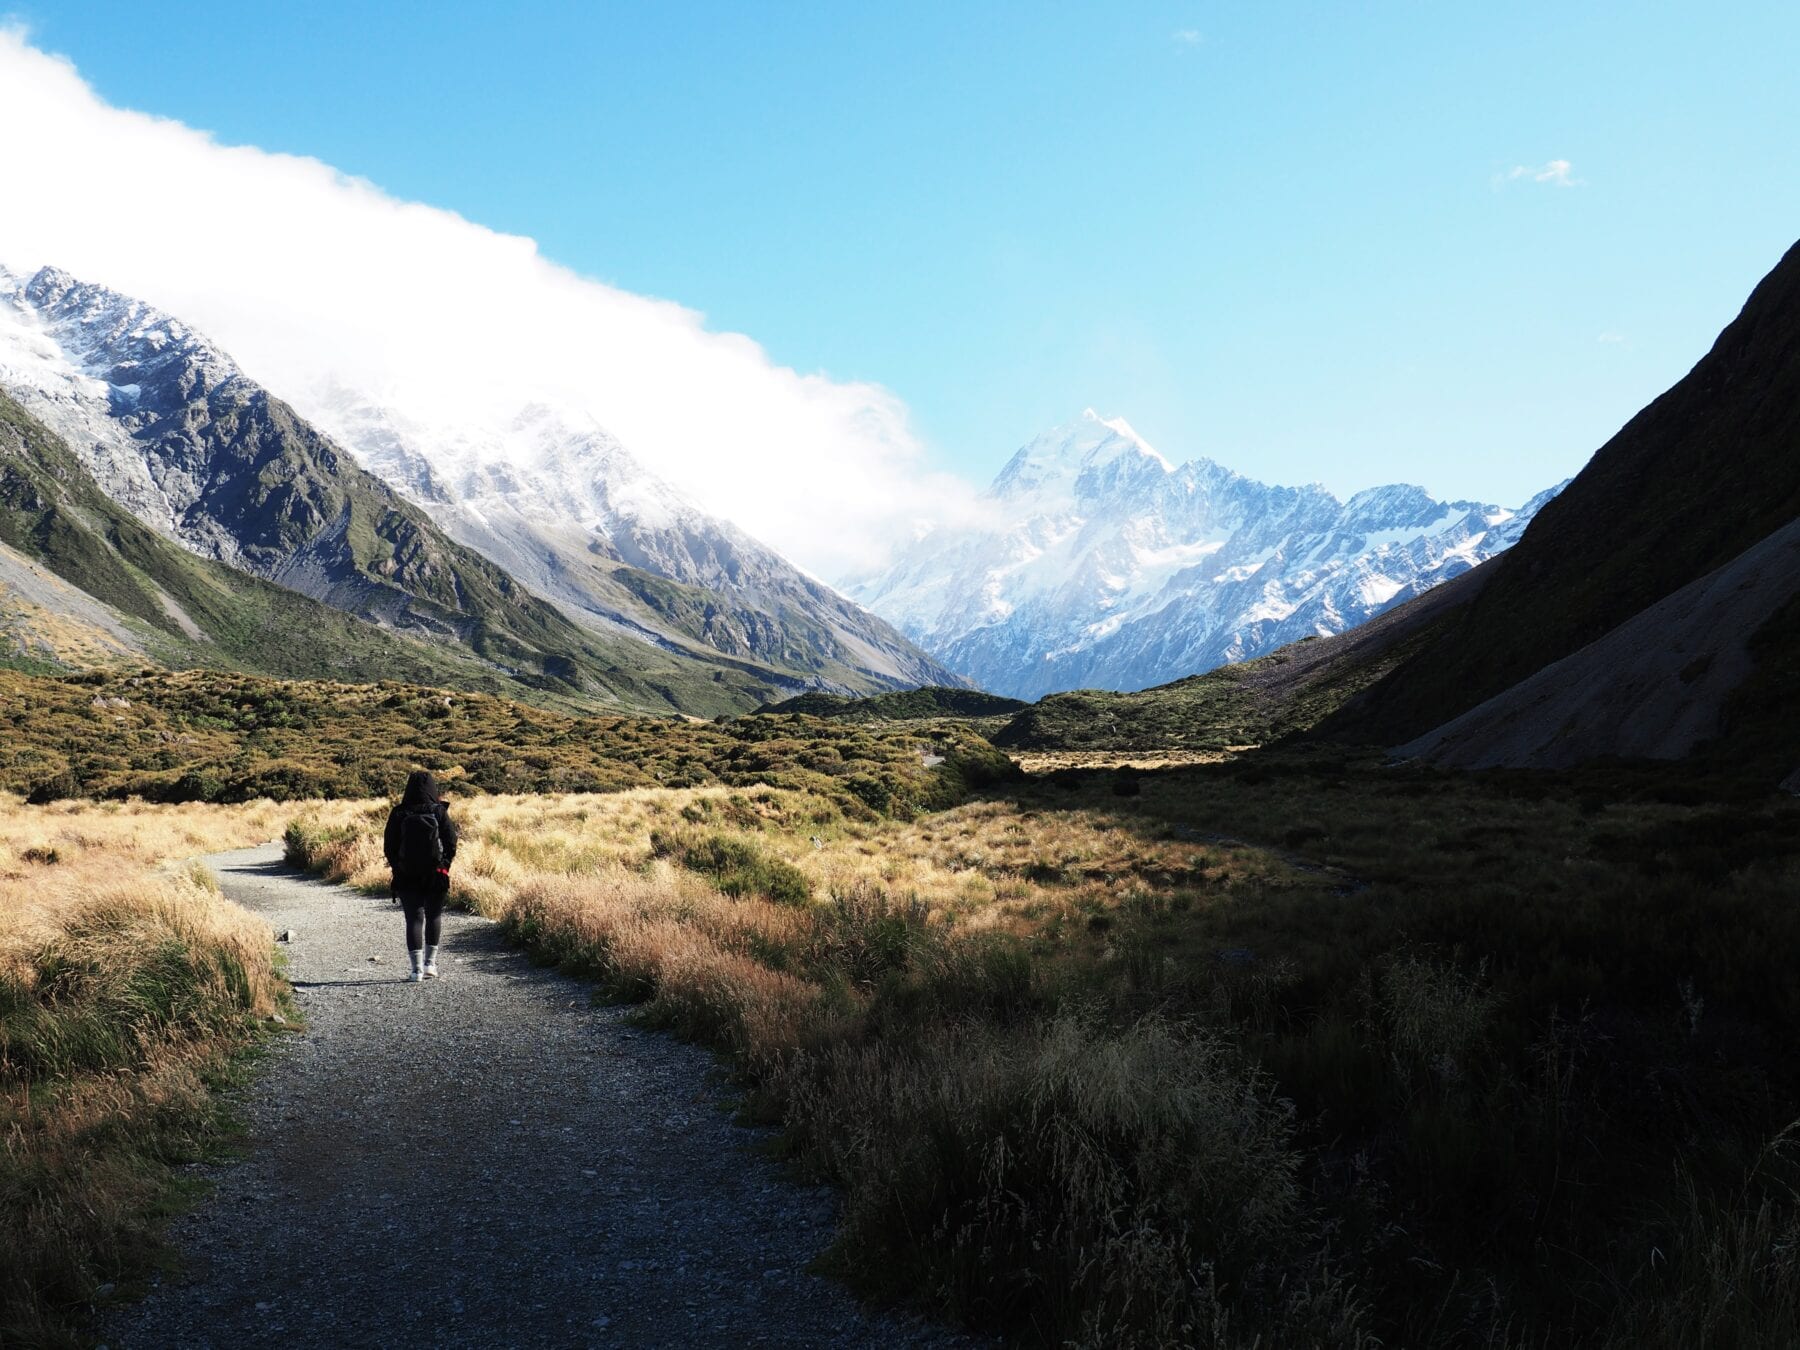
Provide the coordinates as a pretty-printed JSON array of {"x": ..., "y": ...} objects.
[{"x": 421, "y": 849}]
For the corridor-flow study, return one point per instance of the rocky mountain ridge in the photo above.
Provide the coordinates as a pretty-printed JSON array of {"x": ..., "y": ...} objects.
[
  {"x": 1104, "y": 565},
  {"x": 173, "y": 430},
  {"x": 551, "y": 495}
]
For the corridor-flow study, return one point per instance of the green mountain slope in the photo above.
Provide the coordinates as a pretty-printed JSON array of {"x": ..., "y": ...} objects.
[{"x": 163, "y": 605}]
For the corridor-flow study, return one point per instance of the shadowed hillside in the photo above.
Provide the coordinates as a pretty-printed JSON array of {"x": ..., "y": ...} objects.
[{"x": 1706, "y": 471}]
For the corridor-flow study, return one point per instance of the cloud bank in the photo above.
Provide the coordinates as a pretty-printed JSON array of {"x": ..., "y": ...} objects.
[{"x": 306, "y": 275}]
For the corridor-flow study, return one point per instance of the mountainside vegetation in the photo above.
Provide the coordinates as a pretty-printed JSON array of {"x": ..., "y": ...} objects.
[
  {"x": 209, "y": 736},
  {"x": 900, "y": 705}
]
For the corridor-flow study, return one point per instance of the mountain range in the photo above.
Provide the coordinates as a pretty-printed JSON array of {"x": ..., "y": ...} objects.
[
  {"x": 1651, "y": 611},
  {"x": 1102, "y": 565},
  {"x": 622, "y": 592}
]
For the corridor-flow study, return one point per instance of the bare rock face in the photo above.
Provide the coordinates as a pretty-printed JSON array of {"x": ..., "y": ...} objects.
[{"x": 1106, "y": 566}]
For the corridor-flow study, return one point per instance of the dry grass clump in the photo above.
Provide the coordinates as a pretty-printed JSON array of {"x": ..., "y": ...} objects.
[
  {"x": 1731, "y": 1276},
  {"x": 125, "y": 983},
  {"x": 1058, "y": 1174},
  {"x": 666, "y": 939}
]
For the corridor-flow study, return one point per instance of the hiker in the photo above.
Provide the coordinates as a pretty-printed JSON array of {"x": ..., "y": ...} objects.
[{"x": 420, "y": 842}]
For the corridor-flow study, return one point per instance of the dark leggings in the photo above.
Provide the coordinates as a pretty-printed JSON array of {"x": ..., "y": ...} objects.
[{"x": 424, "y": 918}]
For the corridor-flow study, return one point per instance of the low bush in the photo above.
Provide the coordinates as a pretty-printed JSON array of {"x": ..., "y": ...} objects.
[
  {"x": 736, "y": 864},
  {"x": 215, "y": 736}
]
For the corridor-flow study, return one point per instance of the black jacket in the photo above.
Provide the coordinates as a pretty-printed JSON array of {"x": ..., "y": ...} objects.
[{"x": 391, "y": 840}]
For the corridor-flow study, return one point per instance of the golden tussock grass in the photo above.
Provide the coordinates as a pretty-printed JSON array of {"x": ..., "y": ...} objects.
[
  {"x": 1089, "y": 1070},
  {"x": 126, "y": 981},
  {"x": 898, "y": 1006}
]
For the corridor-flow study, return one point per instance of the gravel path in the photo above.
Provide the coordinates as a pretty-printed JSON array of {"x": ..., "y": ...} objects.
[{"x": 485, "y": 1160}]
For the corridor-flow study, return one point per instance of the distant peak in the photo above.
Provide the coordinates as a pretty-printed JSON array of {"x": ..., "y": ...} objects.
[{"x": 1118, "y": 426}]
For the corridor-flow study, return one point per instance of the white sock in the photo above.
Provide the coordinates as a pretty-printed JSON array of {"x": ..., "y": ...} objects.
[
  {"x": 418, "y": 959},
  {"x": 431, "y": 957}
]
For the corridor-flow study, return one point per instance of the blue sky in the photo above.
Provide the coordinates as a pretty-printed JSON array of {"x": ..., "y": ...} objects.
[{"x": 1290, "y": 237}]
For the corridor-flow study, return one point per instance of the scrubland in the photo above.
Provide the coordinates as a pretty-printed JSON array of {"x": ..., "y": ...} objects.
[
  {"x": 1433, "y": 1061},
  {"x": 1290, "y": 1049},
  {"x": 126, "y": 983}
]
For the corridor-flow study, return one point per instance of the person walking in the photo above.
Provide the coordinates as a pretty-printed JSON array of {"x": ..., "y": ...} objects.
[{"x": 420, "y": 842}]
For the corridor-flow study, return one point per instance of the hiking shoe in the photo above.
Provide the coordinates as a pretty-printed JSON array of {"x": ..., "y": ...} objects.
[
  {"x": 415, "y": 976},
  {"x": 431, "y": 971}
]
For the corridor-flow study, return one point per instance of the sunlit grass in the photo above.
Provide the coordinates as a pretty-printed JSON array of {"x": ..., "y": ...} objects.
[
  {"x": 1465, "y": 1018},
  {"x": 126, "y": 981}
]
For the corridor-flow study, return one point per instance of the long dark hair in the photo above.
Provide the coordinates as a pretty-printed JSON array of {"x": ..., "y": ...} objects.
[{"x": 421, "y": 789}]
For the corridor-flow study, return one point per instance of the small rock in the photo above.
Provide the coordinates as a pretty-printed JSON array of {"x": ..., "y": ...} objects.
[
  {"x": 374, "y": 960},
  {"x": 287, "y": 935}
]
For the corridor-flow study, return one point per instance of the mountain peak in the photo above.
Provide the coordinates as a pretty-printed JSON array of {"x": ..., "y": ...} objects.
[
  {"x": 1058, "y": 459},
  {"x": 1098, "y": 564},
  {"x": 113, "y": 335}
]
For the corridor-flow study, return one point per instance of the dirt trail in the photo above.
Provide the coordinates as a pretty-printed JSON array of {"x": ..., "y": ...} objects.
[{"x": 484, "y": 1160}]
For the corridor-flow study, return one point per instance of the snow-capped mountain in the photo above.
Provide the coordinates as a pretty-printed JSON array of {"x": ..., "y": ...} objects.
[
  {"x": 549, "y": 494},
  {"x": 97, "y": 367},
  {"x": 173, "y": 430},
  {"x": 1103, "y": 565}
]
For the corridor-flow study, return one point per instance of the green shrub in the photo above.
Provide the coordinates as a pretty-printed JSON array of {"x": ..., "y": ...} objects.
[{"x": 736, "y": 864}]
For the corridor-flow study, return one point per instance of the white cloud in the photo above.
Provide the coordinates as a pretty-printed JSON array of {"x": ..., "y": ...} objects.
[
  {"x": 1611, "y": 338},
  {"x": 1188, "y": 37},
  {"x": 302, "y": 273},
  {"x": 1556, "y": 173}
]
